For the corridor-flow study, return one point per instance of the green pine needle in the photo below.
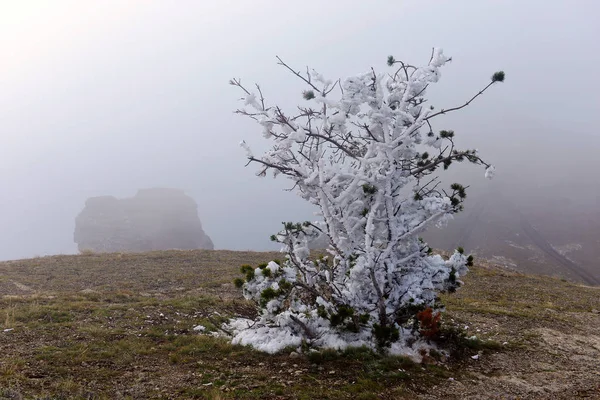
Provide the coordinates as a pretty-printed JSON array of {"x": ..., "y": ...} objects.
[
  {"x": 308, "y": 95},
  {"x": 498, "y": 76}
]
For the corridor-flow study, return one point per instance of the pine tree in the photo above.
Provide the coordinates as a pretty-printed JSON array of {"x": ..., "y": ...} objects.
[{"x": 363, "y": 150}]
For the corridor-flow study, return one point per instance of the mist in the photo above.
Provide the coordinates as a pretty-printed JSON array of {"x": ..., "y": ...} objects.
[{"x": 105, "y": 98}]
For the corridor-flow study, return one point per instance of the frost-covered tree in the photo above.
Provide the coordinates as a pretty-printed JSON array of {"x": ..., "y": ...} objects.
[{"x": 364, "y": 151}]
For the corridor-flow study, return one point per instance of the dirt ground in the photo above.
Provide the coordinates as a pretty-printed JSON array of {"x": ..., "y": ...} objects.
[{"x": 121, "y": 326}]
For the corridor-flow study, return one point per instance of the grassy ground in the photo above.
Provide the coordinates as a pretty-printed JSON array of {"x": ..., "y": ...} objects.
[{"x": 121, "y": 326}]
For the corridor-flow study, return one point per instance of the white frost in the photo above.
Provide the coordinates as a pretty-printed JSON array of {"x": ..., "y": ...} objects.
[
  {"x": 245, "y": 146},
  {"x": 490, "y": 172}
]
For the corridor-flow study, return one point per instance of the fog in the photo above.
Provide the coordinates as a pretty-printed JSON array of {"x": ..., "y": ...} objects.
[{"x": 104, "y": 98}]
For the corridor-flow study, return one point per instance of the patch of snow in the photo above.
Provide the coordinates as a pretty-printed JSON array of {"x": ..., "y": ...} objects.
[
  {"x": 513, "y": 244},
  {"x": 568, "y": 248},
  {"x": 503, "y": 261}
]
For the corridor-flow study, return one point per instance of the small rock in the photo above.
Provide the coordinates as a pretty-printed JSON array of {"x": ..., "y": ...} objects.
[
  {"x": 199, "y": 328},
  {"x": 331, "y": 372},
  {"x": 293, "y": 354},
  {"x": 475, "y": 357},
  {"x": 8, "y": 330}
]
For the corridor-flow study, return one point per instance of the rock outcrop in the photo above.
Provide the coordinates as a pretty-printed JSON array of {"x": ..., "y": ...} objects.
[{"x": 154, "y": 219}]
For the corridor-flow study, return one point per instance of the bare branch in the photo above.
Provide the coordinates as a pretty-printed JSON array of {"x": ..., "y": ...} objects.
[
  {"x": 262, "y": 98},
  {"x": 404, "y": 67},
  {"x": 238, "y": 83},
  {"x": 332, "y": 141},
  {"x": 298, "y": 74},
  {"x": 418, "y": 94},
  {"x": 218, "y": 326},
  {"x": 281, "y": 168},
  {"x": 339, "y": 83},
  {"x": 307, "y": 331},
  {"x": 463, "y": 106}
]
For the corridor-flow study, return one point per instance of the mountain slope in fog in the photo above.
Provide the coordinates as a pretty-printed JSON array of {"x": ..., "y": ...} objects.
[{"x": 541, "y": 214}]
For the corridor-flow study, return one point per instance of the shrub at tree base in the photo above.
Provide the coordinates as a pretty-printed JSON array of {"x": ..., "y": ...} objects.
[
  {"x": 429, "y": 322},
  {"x": 364, "y": 152}
]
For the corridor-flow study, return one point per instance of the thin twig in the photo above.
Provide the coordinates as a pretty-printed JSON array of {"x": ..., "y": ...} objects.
[
  {"x": 463, "y": 106},
  {"x": 298, "y": 74}
]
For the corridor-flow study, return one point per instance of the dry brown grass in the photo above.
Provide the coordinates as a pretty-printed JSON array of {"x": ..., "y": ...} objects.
[{"x": 120, "y": 326}]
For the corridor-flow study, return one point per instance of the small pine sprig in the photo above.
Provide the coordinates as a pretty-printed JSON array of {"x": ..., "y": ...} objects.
[
  {"x": 446, "y": 134},
  {"x": 498, "y": 76},
  {"x": 308, "y": 94}
]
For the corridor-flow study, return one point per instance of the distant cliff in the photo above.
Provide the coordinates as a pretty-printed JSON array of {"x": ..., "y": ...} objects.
[{"x": 154, "y": 219}]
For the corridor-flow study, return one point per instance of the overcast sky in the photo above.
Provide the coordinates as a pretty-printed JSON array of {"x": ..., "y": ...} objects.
[{"x": 106, "y": 97}]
